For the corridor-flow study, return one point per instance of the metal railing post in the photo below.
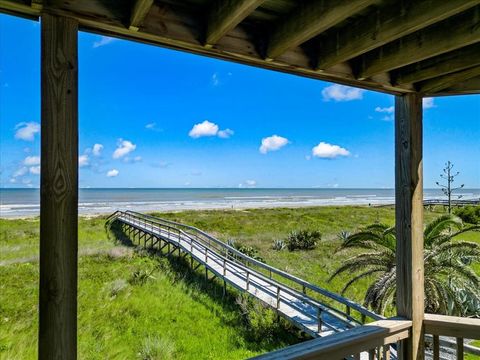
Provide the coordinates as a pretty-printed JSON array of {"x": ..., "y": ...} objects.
[
  {"x": 278, "y": 298},
  {"x": 319, "y": 319}
]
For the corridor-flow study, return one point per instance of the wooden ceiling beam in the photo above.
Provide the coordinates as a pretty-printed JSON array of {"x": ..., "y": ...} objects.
[
  {"x": 451, "y": 34},
  {"x": 446, "y": 81},
  {"x": 139, "y": 13},
  {"x": 383, "y": 26},
  {"x": 450, "y": 62},
  {"x": 467, "y": 87},
  {"x": 309, "y": 20},
  {"x": 225, "y": 15}
]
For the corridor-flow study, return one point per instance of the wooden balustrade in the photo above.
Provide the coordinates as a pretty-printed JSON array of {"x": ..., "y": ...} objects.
[
  {"x": 378, "y": 339},
  {"x": 458, "y": 328},
  {"x": 375, "y": 338}
]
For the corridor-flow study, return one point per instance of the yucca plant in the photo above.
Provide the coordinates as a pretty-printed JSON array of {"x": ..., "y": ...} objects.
[
  {"x": 278, "y": 244},
  {"x": 447, "y": 265}
]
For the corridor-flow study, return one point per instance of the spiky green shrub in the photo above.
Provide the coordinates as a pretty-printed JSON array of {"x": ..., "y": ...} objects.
[
  {"x": 303, "y": 240},
  {"x": 279, "y": 244}
]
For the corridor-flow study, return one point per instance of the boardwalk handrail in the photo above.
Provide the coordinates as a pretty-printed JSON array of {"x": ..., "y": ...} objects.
[
  {"x": 339, "y": 315},
  {"x": 350, "y": 305}
]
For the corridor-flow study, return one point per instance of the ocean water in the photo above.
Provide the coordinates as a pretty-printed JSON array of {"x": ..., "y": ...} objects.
[{"x": 26, "y": 202}]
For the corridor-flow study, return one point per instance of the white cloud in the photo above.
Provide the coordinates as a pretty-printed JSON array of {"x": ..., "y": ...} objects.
[
  {"x": 225, "y": 134},
  {"x": 35, "y": 170},
  {"x": 153, "y": 126},
  {"x": 20, "y": 172},
  {"x": 162, "y": 164},
  {"x": 388, "y": 118},
  {"x": 341, "y": 93},
  {"x": 112, "y": 173},
  {"x": 97, "y": 149},
  {"x": 388, "y": 110},
  {"x": 273, "y": 143},
  {"x": 328, "y": 151},
  {"x": 83, "y": 160},
  {"x": 428, "y": 103},
  {"x": 104, "y": 40},
  {"x": 31, "y": 160},
  {"x": 215, "y": 79},
  {"x": 205, "y": 128},
  {"x": 124, "y": 147},
  {"x": 26, "y": 131},
  {"x": 248, "y": 184},
  {"x": 130, "y": 160}
]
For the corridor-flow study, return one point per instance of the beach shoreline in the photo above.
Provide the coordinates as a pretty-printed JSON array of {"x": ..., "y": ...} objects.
[
  {"x": 23, "y": 203},
  {"x": 94, "y": 214}
]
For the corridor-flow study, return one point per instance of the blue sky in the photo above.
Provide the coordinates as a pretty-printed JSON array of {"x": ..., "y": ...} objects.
[{"x": 152, "y": 117}]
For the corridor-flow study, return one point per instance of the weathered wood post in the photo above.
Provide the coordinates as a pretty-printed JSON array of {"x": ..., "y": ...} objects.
[
  {"x": 409, "y": 220},
  {"x": 58, "y": 189}
]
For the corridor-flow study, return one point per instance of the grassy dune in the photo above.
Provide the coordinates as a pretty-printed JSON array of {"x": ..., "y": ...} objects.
[{"x": 170, "y": 312}]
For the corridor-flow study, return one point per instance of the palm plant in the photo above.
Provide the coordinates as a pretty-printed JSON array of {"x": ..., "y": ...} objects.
[{"x": 447, "y": 265}]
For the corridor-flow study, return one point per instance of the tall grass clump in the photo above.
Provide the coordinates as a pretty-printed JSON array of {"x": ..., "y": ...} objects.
[
  {"x": 157, "y": 348},
  {"x": 303, "y": 240}
]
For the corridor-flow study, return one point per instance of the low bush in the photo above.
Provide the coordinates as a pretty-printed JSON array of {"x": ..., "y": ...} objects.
[
  {"x": 244, "y": 249},
  {"x": 303, "y": 240},
  {"x": 469, "y": 214},
  {"x": 264, "y": 325}
]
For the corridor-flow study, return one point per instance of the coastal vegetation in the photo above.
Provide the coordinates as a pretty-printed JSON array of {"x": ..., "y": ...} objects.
[
  {"x": 469, "y": 214},
  {"x": 452, "y": 287},
  {"x": 136, "y": 305}
]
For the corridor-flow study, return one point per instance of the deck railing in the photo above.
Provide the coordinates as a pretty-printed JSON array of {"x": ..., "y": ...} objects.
[
  {"x": 342, "y": 307},
  {"x": 378, "y": 340},
  {"x": 457, "y": 328}
]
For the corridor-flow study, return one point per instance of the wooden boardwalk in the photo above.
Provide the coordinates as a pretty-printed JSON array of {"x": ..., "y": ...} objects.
[{"x": 312, "y": 309}]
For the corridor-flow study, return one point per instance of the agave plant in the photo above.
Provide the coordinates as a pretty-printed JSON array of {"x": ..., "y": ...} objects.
[
  {"x": 278, "y": 244},
  {"x": 343, "y": 235},
  {"x": 447, "y": 265}
]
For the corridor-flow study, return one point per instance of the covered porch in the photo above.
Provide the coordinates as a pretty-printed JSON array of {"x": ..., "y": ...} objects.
[{"x": 410, "y": 49}]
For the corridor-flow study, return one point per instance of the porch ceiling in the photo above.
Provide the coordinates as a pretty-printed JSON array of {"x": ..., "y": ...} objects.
[{"x": 393, "y": 46}]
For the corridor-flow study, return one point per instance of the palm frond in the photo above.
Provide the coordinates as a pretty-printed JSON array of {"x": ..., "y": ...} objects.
[{"x": 440, "y": 225}]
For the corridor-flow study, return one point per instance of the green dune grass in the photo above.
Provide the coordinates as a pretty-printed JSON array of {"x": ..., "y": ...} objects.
[{"x": 173, "y": 314}]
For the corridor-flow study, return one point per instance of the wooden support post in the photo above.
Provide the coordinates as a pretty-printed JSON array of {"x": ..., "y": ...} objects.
[
  {"x": 409, "y": 220},
  {"x": 57, "y": 337}
]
